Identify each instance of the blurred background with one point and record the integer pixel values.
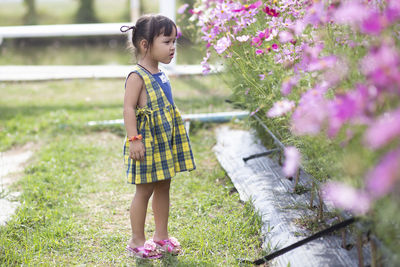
(48, 82)
(82, 50)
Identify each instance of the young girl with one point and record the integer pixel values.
(157, 145)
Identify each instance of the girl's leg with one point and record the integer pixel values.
(161, 209)
(138, 213)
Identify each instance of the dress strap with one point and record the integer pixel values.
(147, 82)
(157, 99)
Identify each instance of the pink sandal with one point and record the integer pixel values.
(145, 251)
(170, 245)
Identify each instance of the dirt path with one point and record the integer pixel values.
(12, 163)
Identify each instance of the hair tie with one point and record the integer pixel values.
(127, 28)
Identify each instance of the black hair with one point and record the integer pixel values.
(148, 27)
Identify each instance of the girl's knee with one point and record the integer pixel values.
(162, 185)
(144, 190)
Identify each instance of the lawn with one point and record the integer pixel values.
(63, 11)
(75, 198)
(83, 51)
(108, 50)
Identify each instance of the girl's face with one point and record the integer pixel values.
(163, 48)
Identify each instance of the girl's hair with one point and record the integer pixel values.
(147, 28)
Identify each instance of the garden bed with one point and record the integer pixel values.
(323, 76)
(286, 216)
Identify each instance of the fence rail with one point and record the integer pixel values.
(61, 30)
(59, 72)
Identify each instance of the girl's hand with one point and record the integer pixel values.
(136, 150)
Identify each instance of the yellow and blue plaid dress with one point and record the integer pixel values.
(167, 146)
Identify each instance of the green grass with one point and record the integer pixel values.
(80, 50)
(75, 198)
(63, 12)
(31, 110)
(63, 52)
(83, 51)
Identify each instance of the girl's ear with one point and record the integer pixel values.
(144, 45)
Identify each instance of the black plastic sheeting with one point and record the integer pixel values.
(261, 181)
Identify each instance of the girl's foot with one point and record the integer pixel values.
(170, 245)
(148, 251)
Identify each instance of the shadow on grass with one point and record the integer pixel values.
(169, 260)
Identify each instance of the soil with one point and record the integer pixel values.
(12, 164)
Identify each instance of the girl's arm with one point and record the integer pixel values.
(134, 85)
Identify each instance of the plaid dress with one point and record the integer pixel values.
(167, 146)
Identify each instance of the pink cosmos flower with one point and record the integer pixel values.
(350, 12)
(392, 11)
(204, 63)
(292, 161)
(280, 108)
(248, 7)
(222, 44)
(346, 107)
(313, 52)
(285, 37)
(374, 24)
(345, 197)
(298, 27)
(288, 84)
(179, 32)
(322, 63)
(275, 47)
(309, 54)
(336, 74)
(310, 113)
(261, 36)
(383, 130)
(242, 38)
(381, 179)
(243, 22)
(182, 8)
(316, 14)
(206, 68)
(257, 41)
(378, 21)
(381, 66)
(278, 57)
(195, 11)
(210, 33)
(271, 12)
(259, 51)
(223, 12)
(208, 37)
